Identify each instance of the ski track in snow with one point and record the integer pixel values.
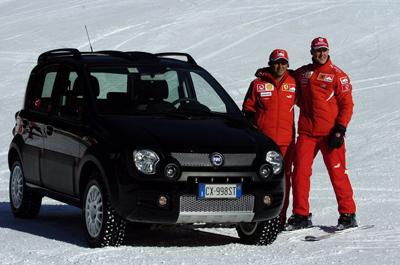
(232, 30)
(376, 86)
(231, 39)
(108, 34)
(252, 35)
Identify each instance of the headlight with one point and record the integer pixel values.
(275, 159)
(145, 161)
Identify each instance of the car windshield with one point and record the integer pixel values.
(134, 90)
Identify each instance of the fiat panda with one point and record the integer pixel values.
(142, 138)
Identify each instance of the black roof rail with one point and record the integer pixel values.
(142, 57)
(59, 53)
(177, 54)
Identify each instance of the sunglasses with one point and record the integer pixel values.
(321, 50)
(281, 62)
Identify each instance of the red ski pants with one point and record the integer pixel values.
(288, 158)
(335, 161)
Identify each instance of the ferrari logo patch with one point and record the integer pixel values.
(325, 77)
(289, 87)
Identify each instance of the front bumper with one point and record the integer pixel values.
(139, 201)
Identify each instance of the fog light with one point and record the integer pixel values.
(265, 171)
(267, 200)
(162, 201)
(171, 171)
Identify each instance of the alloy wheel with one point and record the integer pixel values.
(17, 187)
(94, 211)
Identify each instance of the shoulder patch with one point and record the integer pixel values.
(344, 80)
(346, 88)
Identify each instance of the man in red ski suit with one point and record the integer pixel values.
(269, 105)
(326, 107)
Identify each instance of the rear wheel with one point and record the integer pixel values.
(259, 233)
(24, 202)
(102, 225)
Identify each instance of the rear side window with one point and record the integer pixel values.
(42, 89)
(111, 82)
(49, 81)
(69, 96)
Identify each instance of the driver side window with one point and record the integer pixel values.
(206, 94)
(176, 90)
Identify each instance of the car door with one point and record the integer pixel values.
(63, 134)
(34, 115)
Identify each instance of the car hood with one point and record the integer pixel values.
(191, 134)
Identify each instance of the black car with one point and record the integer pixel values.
(142, 138)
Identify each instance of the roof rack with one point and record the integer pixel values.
(142, 57)
(59, 53)
(189, 58)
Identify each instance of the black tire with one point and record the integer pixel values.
(110, 230)
(259, 233)
(23, 201)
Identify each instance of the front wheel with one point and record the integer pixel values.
(102, 225)
(24, 202)
(259, 233)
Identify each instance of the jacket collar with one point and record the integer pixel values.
(323, 67)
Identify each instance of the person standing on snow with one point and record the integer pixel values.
(269, 106)
(326, 107)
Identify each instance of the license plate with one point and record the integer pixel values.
(212, 191)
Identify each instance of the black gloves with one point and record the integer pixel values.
(336, 137)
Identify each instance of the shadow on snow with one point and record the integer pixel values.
(63, 223)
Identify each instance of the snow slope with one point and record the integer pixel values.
(231, 39)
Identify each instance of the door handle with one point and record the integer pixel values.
(49, 130)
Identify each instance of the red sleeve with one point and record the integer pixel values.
(344, 99)
(250, 100)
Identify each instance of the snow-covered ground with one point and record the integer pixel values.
(231, 39)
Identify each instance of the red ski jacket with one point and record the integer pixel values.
(325, 98)
(272, 104)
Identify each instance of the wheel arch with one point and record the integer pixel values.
(88, 165)
(14, 152)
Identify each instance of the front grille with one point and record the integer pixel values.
(222, 211)
(203, 159)
(190, 203)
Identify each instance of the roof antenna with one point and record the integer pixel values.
(90, 44)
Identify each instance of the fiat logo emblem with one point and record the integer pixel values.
(217, 159)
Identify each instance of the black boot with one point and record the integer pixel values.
(346, 220)
(297, 221)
